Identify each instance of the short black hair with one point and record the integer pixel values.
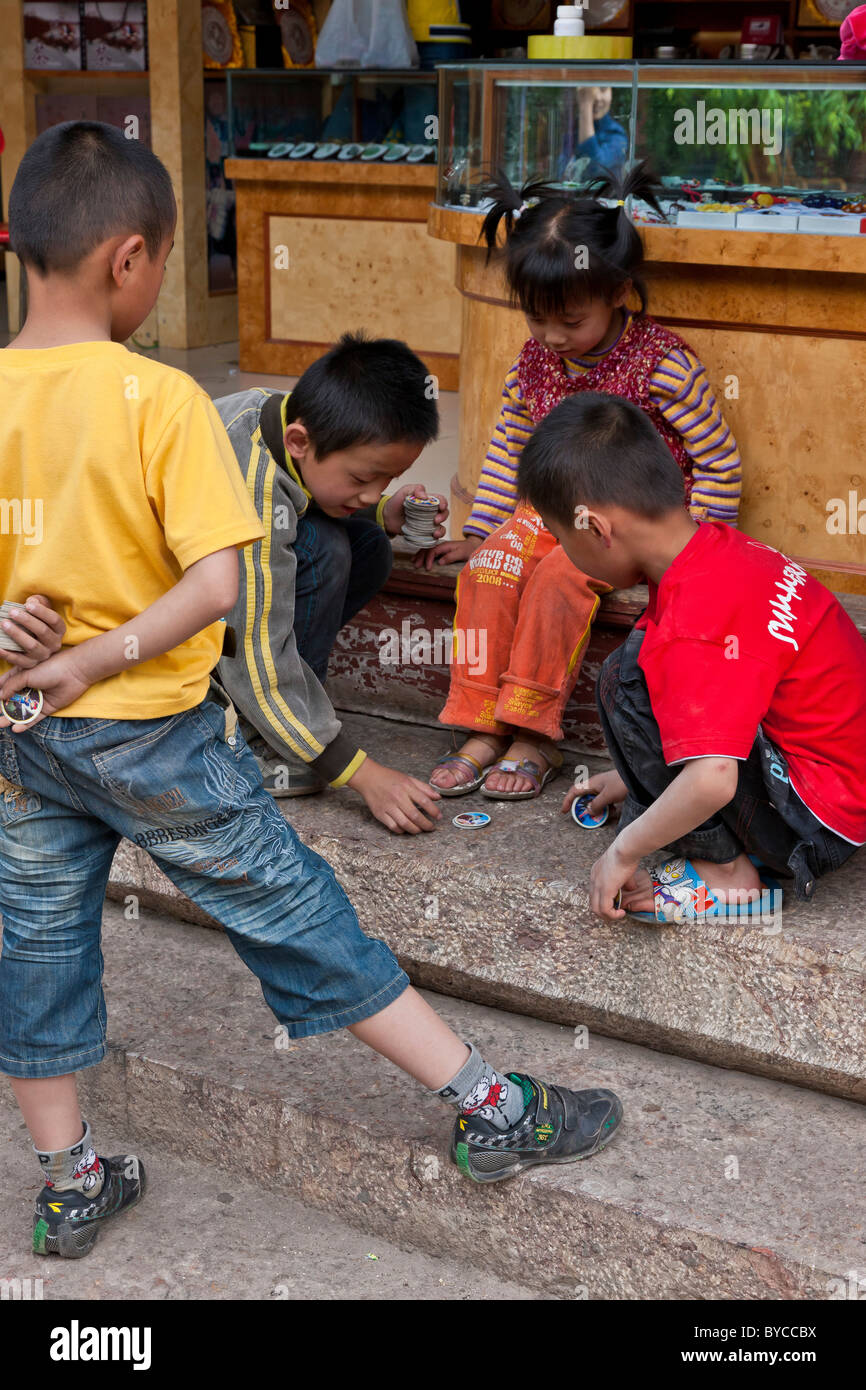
(597, 449)
(80, 183)
(365, 391)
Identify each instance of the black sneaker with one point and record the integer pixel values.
(557, 1126)
(67, 1223)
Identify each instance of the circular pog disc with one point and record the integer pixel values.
(471, 820)
(23, 707)
(580, 812)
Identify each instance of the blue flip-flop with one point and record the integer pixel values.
(681, 895)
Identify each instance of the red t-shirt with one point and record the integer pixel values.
(738, 635)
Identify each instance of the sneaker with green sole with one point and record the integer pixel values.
(67, 1223)
(557, 1126)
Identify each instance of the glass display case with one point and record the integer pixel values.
(774, 147)
(323, 114)
(302, 114)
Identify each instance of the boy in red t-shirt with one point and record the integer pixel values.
(735, 712)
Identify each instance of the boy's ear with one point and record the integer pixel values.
(297, 441)
(622, 294)
(587, 520)
(124, 255)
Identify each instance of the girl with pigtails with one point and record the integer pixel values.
(572, 263)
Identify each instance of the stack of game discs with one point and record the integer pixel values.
(7, 643)
(420, 513)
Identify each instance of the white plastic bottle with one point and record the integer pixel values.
(569, 22)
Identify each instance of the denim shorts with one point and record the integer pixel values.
(187, 789)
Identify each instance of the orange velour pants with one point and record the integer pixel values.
(522, 624)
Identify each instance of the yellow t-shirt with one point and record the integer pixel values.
(116, 475)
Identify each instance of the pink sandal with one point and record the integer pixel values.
(526, 767)
(460, 788)
(466, 760)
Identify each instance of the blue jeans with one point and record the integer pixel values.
(765, 817)
(186, 789)
(341, 566)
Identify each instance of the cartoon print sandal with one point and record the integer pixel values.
(680, 895)
(526, 767)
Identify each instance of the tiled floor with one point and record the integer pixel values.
(216, 369)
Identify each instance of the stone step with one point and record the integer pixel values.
(719, 1185)
(500, 916)
(201, 1236)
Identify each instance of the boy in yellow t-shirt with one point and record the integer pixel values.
(143, 509)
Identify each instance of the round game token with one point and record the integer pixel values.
(584, 817)
(23, 707)
(471, 820)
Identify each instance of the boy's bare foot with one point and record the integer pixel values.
(534, 749)
(484, 748)
(737, 883)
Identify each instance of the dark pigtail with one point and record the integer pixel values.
(506, 202)
(634, 182)
(546, 229)
(627, 248)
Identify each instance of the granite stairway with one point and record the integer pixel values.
(740, 1054)
(500, 916)
(718, 1186)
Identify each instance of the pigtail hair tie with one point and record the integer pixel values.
(525, 206)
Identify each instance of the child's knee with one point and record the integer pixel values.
(328, 553)
(378, 559)
(607, 687)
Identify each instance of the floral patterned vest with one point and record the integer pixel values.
(624, 371)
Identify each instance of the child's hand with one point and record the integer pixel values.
(447, 553)
(392, 512)
(60, 679)
(400, 802)
(607, 875)
(609, 790)
(37, 628)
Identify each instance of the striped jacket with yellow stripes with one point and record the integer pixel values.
(267, 680)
